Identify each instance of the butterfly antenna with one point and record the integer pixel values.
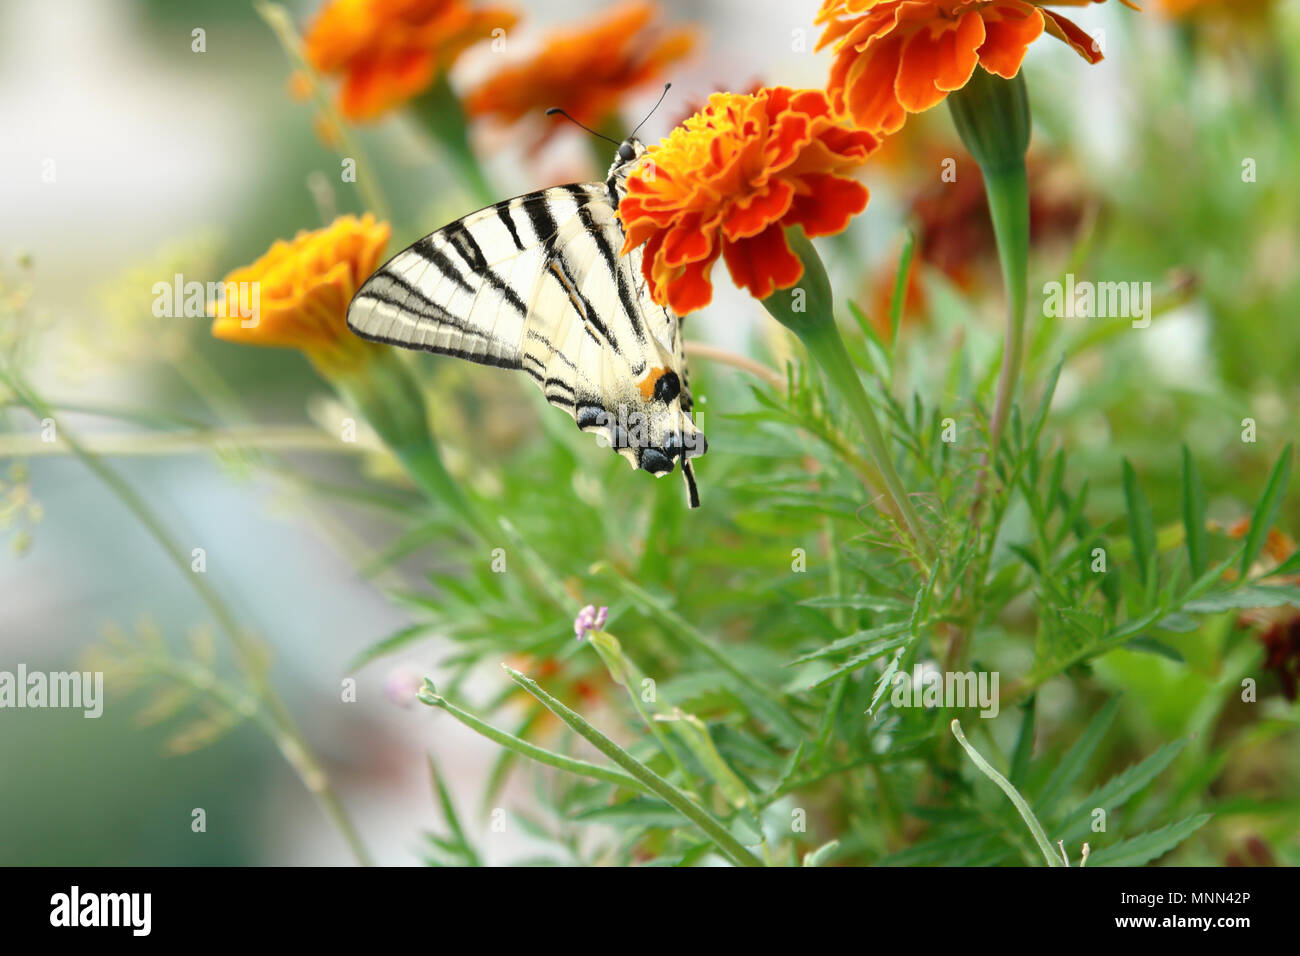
(555, 109)
(667, 87)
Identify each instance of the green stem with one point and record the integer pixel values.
(823, 341)
(429, 695)
(993, 119)
(625, 673)
(286, 735)
(728, 844)
(1021, 805)
(1008, 195)
(808, 310)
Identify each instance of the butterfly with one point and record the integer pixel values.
(536, 283)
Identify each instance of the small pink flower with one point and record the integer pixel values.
(589, 619)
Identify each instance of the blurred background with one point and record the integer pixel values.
(168, 160)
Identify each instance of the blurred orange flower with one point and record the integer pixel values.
(894, 57)
(587, 71)
(388, 51)
(1278, 545)
(730, 180)
(300, 292)
(1189, 8)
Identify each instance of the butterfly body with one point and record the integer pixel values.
(536, 284)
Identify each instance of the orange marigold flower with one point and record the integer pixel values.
(388, 51)
(730, 180)
(588, 71)
(300, 290)
(894, 57)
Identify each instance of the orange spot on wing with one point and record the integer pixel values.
(651, 379)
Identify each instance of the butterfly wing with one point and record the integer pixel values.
(536, 284)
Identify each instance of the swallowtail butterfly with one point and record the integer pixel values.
(536, 284)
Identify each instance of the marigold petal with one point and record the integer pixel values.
(1011, 28)
(1069, 32)
(763, 263)
(686, 242)
(869, 88)
(691, 289)
(754, 214)
(828, 205)
(938, 58)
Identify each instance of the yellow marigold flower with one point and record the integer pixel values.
(299, 292)
(388, 51)
(587, 70)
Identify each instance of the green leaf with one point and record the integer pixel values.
(861, 602)
(1024, 741)
(949, 850)
(789, 768)
(1075, 760)
(1113, 794)
(1141, 527)
(1148, 846)
(1194, 514)
(876, 649)
(820, 855)
(885, 680)
(864, 323)
(1149, 645)
(869, 636)
(1242, 598)
(900, 287)
(637, 812)
(391, 644)
(695, 735)
(1290, 566)
(459, 840)
(1045, 404)
(1266, 511)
